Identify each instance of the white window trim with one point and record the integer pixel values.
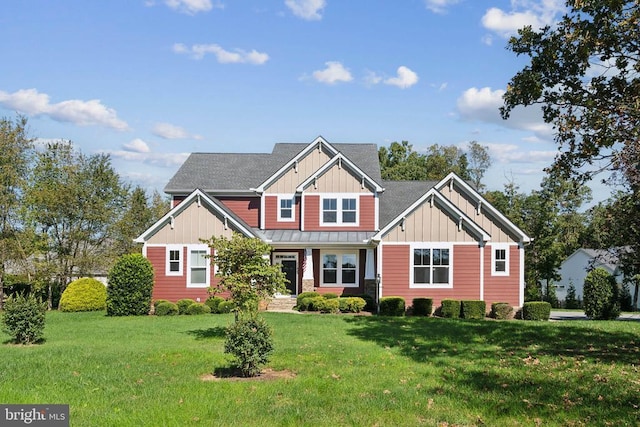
(339, 253)
(293, 208)
(207, 283)
(339, 198)
(495, 247)
(430, 245)
(180, 250)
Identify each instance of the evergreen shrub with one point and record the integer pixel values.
(422, 306)
(250, 341)
(85, 294)
(450, 308)
(473, 309)
(501, 310)
(183, 304)
(352, 304)
(536, 310)
(24, 318)
(392, 306)
(327, 305)
(166, 308)
(130, 286)
(213, 303)
(198, 308)
(304, 295)
(226, 306)
(601, 300)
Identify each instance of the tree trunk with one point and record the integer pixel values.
(635, 296)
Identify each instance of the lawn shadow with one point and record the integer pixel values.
(203, 334)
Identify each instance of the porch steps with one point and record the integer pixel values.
(282, 304)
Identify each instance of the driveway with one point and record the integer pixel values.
(579, 315)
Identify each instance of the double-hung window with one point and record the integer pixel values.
(339, 211)
(199, 267)
(499, 260)
(285, 209)
(431, 266)
(174, 261)
(340, 268)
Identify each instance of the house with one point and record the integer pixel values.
(575, 268)
(336, 226)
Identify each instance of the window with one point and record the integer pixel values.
(340, 269)
(174, 261)
(198, 273)
(431, 267)
(285, 211)
(500, 260)
(339, 211)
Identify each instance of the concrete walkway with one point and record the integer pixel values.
(579, 315)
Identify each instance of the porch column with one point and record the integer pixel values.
(307, 271)
(370, 274)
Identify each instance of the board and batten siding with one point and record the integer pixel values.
(502, 288)
(191, 225)
(366, 214)
(396, 265)
(338, 179)
(297, 174)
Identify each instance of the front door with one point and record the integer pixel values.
(289, 265)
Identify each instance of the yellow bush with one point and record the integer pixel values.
(85, 294)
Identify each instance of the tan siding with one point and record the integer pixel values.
(428, 224)
(288, 182)
(502, 288)
(193, 224)
(271, 215)
(247, 208)
(338, 180)
(498, 232)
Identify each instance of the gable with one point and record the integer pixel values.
(298, 171)
(338, 179)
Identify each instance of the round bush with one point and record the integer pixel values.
(304, 295)
(85, 294)
(330, 295)
(327, 305)
(392, 306)
(226, 306)
(501, 310)
(130, 286)
(213, 303)
(601, 301)
(352, 304)
(370, 302)
(250, 342)
(422, 306)
(184, 304)
(166, 309)
(536, 310)
(198, 308)
(23, 318)
(159, 301)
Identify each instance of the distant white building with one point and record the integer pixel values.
(575, 268)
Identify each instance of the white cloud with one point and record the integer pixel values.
(512, 153)
(238, 56)
(371, 78)
(191, 7)
(137, 145)
(81, 113)
(537, 13)
(169, 131)
(483, 105)
(159, 159)
(439, 6)
(311, 10)
(334, 73)
(406, 78)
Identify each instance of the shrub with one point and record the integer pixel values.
(166, 309)
(501, 310)
(85, 294)
(371, 302)
(213, 303)
(311, 303)
(183, 304)
(330, 295)
(450, 308)
(422, 306)
(351, 304)
(601, 295)
(473, 309)
(626, 301)
(304, 295)
(157, 302)
(327, 305)
(536, 310)
(24, 318)
(130, 286)
(571, 301)
(226, 306)
(198, 308)
(250, 342)
(392, 306)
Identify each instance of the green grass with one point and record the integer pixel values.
(145, 371)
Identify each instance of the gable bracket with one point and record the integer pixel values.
(479, 207)
(460, 223)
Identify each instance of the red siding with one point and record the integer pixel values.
(177, 200)
(247, 208)
(172, 288)
(340, 290)
(502, 288)
(366, 212)
(271, 215)
(396, 264)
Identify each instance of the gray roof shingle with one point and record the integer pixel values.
(398, 196)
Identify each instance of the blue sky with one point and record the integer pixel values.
(149, 81)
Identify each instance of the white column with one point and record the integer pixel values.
(307, 274)
(369, 268)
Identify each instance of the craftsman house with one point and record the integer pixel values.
(336, 226)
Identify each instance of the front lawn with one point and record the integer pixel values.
(349, 370)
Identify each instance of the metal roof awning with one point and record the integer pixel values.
(317, 237)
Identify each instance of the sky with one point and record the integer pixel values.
(150, 81)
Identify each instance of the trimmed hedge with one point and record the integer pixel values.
(536, 310)
(85, 294)
(501, 310)
(330, 295)
(327, 305)
(302, 296)
(183, 304)
(450, 308)
(130, 286)
(352, 304)
(213, 303)
(371, 302)
(166, 308)
(422, 306)
(198, 308)
(158, 302)
(392, 306)
(473, 309)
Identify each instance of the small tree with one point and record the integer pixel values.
(246, 273)
(571, 301)
(601, 301)
(130, 286)
(24, 319)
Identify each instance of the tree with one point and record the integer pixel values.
(15, 154)
(72, 202)
(401, 163)
(130, 286)
(601, 299)
(245, 272)
(479, 162)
